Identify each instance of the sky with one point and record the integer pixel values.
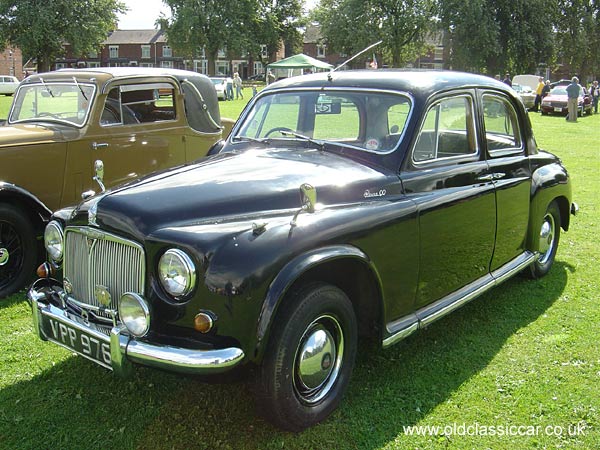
(143, 13)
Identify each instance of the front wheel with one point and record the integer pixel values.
(549, 236)
(18, 250)
(309, 358)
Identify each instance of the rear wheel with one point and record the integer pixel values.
(309, 358)
(549, 236)
(18, 250)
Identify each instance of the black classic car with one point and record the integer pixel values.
(347, 204)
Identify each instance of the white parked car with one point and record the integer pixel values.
(220, 85)
(8, 84)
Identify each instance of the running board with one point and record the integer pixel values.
(405, 326)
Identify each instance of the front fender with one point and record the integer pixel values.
(291, 272)
(18, 195)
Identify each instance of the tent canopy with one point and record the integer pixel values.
(299, 61)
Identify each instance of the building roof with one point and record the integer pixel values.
(312, 34)
(121, 37)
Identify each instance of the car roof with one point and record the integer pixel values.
(418, 82)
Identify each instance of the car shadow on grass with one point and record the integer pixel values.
(76, 404)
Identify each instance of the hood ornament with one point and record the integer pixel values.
(308, 198)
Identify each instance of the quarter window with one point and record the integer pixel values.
(501, 125)
(447, 132)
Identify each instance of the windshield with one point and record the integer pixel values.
(370, 121)
(55, 102)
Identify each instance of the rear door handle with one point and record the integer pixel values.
(97, 145)
(491, 176)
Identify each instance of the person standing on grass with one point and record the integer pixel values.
(237, 84)
(538, 94)
(573, 91)
(595, 93)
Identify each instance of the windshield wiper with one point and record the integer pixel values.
(251, 139)
(80, 89)
(46, 87)
(319, 144)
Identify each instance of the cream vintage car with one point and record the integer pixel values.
(136, 121)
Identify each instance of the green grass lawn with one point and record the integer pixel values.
(524, 359)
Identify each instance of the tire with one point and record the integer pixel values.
(549, 236)
(292, 392)
(18, 250)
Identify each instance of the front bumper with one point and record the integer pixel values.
(114, 349)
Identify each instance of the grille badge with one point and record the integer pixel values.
(102, 295)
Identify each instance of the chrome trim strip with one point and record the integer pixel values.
(125, 350)
(406, 325)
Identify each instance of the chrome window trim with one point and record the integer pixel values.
(459, 158)
(325, 90)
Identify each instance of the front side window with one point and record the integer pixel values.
(502, 130)
(139, 103)
(448, 131)
(370, 121)
(67, 103)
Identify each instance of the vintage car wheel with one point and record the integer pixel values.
(549, 236)
(17, 250)
(309, 358)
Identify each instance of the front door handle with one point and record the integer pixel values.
(488, 177)
(97, 145)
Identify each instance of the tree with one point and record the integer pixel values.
(351, 25)
(237, 26)
(41, 27)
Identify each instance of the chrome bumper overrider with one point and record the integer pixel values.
(123, 349)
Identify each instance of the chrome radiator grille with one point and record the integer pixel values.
(93, 258)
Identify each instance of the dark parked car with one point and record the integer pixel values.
(347, 204)
(134, 120)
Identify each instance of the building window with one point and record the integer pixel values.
(320, 51)
(93, 55)
(438, 54)
(264, 52)
(222, 67)
(167, 52)
(146, 65)
(61, 66)
(166, 64)
(93, 64)
(221, 53)
(258, 68)
(146, 51)
(201, 66)
(113, 51)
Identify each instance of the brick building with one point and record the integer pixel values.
(11, 62)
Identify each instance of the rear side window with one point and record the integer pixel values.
(502, 131)
(448, 131)
(139, 103)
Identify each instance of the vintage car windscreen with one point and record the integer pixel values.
(370, 121)
(54, 102)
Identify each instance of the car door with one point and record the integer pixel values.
(511, 174)
(447, 176)
(136, 131)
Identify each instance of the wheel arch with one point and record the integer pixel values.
(344, 266)
(29, 204)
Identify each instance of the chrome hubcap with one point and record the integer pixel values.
(547, 235)
(4, 255)
(318, 359)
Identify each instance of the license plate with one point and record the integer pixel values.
(557, 109)
(73, 336)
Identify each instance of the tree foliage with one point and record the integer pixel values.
(41, 27)
(351, 25)
(237, 26)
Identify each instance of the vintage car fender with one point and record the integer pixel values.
(16, 194)
(293, 271)
(550, 182)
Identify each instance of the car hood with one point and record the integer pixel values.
(20, 134)
(247, 184)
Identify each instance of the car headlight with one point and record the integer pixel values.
(176, 273)
(134, 312)
(54, 240)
